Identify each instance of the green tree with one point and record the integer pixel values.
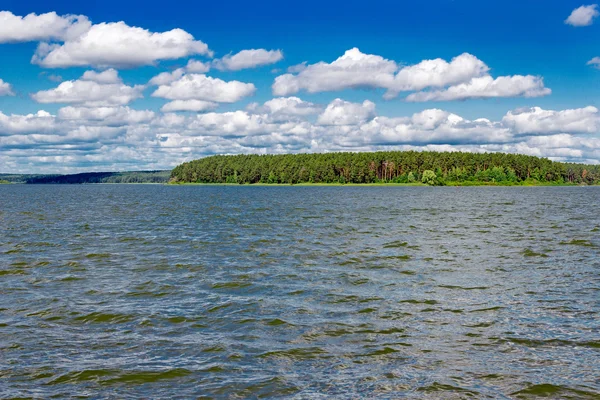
(429, 177)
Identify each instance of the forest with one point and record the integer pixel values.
(91, 177)
(431, 168)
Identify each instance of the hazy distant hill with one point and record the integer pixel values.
(91, 177)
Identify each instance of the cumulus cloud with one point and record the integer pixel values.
(165, 78)
(108, 76)
(465, 76)
(13, 124)
(340, 112)
(189, 105)
(432, 126)
(118, 137)
(437, 73)
(286, 107)
(198, 67)
(583, 16)
(72, 40)
(92, 89)
(248, 59)
(352, 70)
(232, 124)
(487, 87)
(202, 87)
(42, 27)
(112, 116)
(536, 120)
(229, 124)
(594, 62)
(294, 69)
(6, 89)
(119, 45)
(193, 66)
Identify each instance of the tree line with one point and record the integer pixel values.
(92, 177)
(432, 168)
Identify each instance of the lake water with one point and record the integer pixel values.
(124, 291)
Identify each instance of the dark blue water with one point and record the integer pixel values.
(123, 291)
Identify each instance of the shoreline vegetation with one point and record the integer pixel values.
(401, 168)
(384, 184)
(156, 177)
(395, 168)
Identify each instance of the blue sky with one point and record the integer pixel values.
(531, 89)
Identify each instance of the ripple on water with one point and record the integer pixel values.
(548, 390)
(104, 318)
(299, 292)
(299, 354)
(114, 377)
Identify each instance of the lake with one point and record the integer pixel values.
(149, 291)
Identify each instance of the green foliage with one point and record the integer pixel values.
(384, 167)
(429, 177)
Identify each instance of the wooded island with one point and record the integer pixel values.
(431, 168)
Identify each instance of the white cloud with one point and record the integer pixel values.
(189, 105)
(202, 87)
(294, 69)
(86, 134)
(358, 70)
(91, 92)
(72, 40)
(120, 138)
(437, 73)
(594, 62)
(285, 107)
(42, 27)
(248, 59)
(583, 16)
(433, 118)
(429, 127)
(109, 76)
(228, 124)
(40, 122)
(165, 78)
(487, 87)
(352, 70)
(539, 121)
(111, 116)
(197, 67)
(6, 89)
(194, 66)
(119, 45)
(465, 76)
(340, 112)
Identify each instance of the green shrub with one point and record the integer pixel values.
(429, 177)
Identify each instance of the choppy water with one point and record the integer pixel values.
(302, 292)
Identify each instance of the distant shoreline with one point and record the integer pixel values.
(340, 185)
(386, 184)
(385, 168)
(136, 177)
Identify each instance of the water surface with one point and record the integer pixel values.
(127, 291)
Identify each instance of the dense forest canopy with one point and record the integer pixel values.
(433, 168)
(92, 177)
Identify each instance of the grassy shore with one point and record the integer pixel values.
(295, 184)
(455, 184)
